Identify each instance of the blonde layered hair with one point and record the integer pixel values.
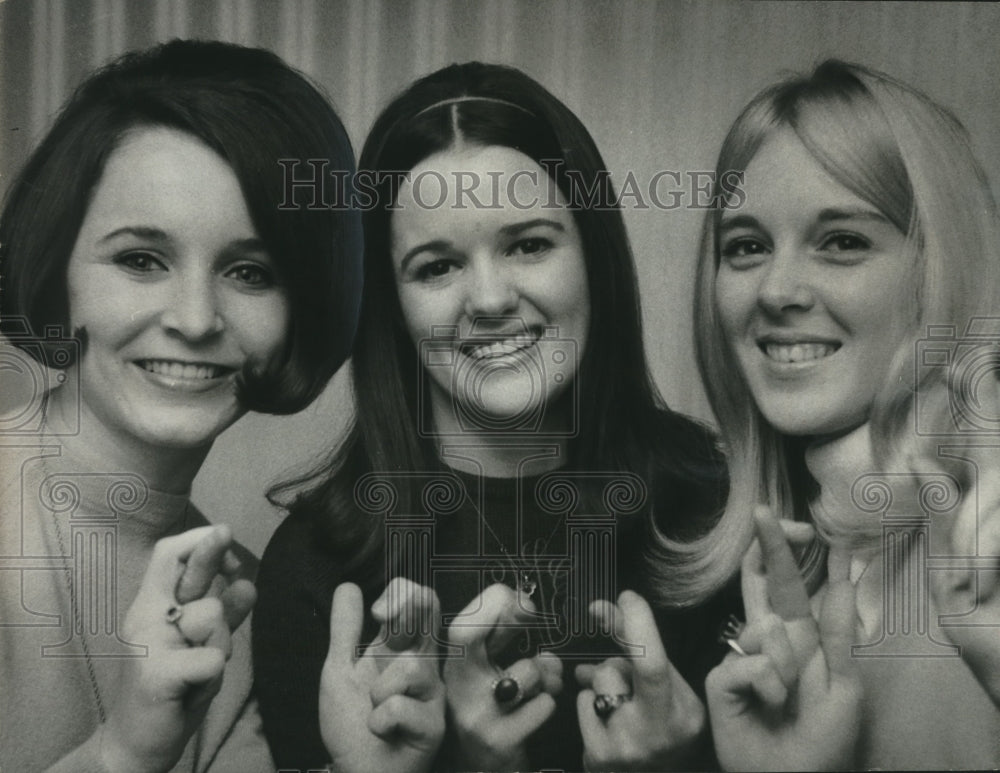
(910, 158)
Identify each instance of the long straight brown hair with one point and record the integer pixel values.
(622, 423)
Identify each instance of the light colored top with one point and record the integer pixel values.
(54, 675)
(923, 707)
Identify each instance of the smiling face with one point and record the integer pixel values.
(175, 291)
(506, 276)
(813, 291)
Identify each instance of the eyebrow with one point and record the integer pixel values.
(142, 231)
(516, 228)
(738, 221)
(250, 244)
(443, 245)
(851, 213)
(829, 215)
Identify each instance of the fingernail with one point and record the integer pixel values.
(230, 563)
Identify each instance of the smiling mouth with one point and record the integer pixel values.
(191, 371)
(480, 349)
(797, 352)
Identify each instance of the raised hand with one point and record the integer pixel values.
(976, 531)
(213, 569)
(653, 720)
(384, 710)
(792, 702)
(494, 712)
(162, 698)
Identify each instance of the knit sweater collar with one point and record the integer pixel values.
(78, 485)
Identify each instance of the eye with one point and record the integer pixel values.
(845, 242)
(530, 246)
(252, 275)
(743, 251)
(140, 261)
(434, 269)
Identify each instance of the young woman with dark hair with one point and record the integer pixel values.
(502, 391)
(145, 255)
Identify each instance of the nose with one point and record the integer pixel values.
(491, 291)
(785, 284)
(192, 310)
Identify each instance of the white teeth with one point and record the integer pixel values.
(500, 348)
(182, 370)
(788, 353)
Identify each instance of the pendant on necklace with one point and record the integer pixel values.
(526, 585)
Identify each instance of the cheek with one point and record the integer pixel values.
(879, 312)
(561, 285)
(580, 296)
(421, 310)
(260, 325)
(110, 314)
(886, 335)
(80, 294)
(733, 302)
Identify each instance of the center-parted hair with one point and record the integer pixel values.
(623, 423)
(252, 109)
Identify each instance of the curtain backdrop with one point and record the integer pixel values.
(657, 83)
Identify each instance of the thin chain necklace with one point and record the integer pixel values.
(522, 573)
(78, 621)
(78, 616)
(70, 586)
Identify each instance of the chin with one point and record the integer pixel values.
(812, 424)
(192, 431)
(179, 438)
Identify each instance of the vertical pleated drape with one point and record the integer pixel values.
(657, 83)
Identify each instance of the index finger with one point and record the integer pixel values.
(785, 588)
(492, 616)
(409, 614)
(167, 563)
(653, 669)
(206, 562)
(753, 584)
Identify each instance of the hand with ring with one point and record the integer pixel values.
(789, 695)
(163, 697)
(637, 712)
(385, 709)
(494, 710)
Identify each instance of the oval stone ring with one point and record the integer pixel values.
(507, 690)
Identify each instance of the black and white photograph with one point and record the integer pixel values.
(499, 385)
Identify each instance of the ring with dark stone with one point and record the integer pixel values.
(605, 705)
(507, 690)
